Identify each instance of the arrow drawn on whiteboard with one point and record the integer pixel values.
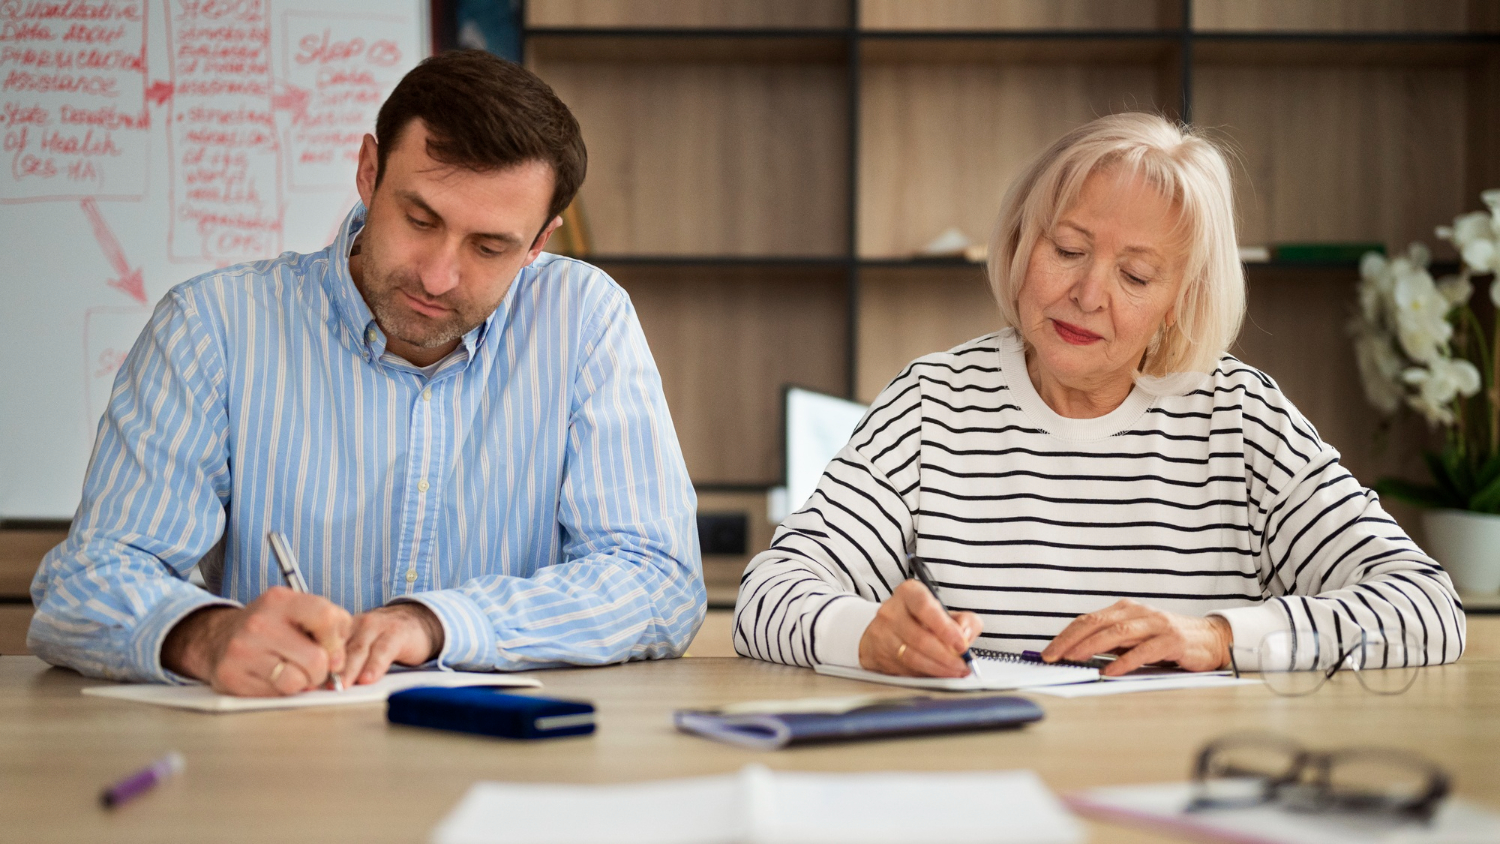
(292, 98)
(159, 92)
(130, 282)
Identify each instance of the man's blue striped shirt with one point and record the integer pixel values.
(530, 490)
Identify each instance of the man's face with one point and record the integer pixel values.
(442, 244)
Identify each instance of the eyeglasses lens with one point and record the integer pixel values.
(1244, 771)
(1295, 663)
(1377, 780)
(1388, 664)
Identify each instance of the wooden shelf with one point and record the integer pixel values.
(1341, 153)
(1273, 49)
(1345, 15)
(909, 311)
(1018, 15)
(727, 340)
(659, 46)
(939, 142)
(688, 13)
(718, 156)
(762, 173)
(1053, 47)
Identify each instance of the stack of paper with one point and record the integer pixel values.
(758, 806)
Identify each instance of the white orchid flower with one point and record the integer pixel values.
(1482, 255)
(1379, 370)
(1421, 315)
(1491, 198)
(1456, 289)
(1419, 254)
(1437, 415)
(1466, 229)
(1439, 384)
(1372, 265)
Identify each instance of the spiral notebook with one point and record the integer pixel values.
(993, 671)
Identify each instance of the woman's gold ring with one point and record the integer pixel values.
(901, 651)
(276, 672)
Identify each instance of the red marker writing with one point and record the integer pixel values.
(143, 780)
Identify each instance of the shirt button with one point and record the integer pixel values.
(427, 394)
(411, 576)
(422, 486)
(370, 334)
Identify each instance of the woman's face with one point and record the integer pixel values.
(1100, 285)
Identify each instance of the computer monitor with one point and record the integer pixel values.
(817, 426)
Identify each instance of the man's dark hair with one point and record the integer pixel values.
(485, 113)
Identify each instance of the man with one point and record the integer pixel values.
(464, 439)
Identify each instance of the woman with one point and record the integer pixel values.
(1098, 476)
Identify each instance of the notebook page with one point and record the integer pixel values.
(990, 674)
(204, 699)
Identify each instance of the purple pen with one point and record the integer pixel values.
(143, 780)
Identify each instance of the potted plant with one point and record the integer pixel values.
(1420, 345)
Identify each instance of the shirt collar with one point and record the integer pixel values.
(354, 314)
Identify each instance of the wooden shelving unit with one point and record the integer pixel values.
(763, 171)
(763, 174)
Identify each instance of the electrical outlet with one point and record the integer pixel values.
(723, 533)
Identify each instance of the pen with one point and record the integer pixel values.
(142, 781)
(919, 571)
(1098, 661)
(282, 551)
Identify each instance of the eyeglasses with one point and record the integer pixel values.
(1298, 662)
(1250, 769)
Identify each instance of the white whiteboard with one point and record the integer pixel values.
(145, 142)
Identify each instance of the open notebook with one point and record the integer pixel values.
(1001, 671)
(204, 699)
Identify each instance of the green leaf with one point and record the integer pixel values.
(1487, 499)
(1418, 494)
(1442, 477)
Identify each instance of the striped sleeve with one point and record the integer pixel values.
(1332, 563)
(630, 581)
(153, 505)
(808, 599)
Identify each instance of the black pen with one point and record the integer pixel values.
(919, 571)
(281, 549)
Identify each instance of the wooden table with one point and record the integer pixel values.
(344, 774)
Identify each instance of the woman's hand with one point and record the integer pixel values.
(1142, 634)
(912, 635)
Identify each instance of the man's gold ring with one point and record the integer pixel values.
(901, 651)
(276, 672)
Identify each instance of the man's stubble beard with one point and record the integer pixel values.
(382, 292)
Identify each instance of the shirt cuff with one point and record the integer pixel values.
(152, 632)
(839, 629)
(469, 641)
(1250, 626)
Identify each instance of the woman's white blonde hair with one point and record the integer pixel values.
(1192, 173)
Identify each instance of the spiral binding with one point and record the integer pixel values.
(1007, 656)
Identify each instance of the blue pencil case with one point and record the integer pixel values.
(490, 712)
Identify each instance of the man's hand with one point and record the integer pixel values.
(406, 633)
(282, 643)
(1141, 635)
(911, 635)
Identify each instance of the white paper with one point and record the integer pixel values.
(1161, 805)
(989, 675)
(759, 806)
(1125, 685)
(204, 699)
